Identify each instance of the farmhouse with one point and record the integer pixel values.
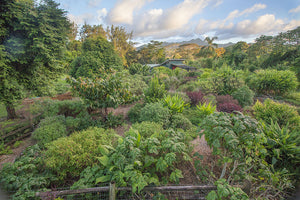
(173, 64)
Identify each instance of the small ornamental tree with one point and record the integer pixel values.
(102, 92)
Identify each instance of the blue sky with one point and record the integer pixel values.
(178, 20)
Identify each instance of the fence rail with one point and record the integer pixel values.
(189, 191)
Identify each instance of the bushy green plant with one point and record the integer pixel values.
(206, 109)
(175, 103)
(67, 108)
(155, 112)
(273, 82)
(135, 84)
(280, 113)
(134, 112)
(155, 92)
(223, 81)
(190, 86)
(50, 129)
(226, 191)
(70, 155)
(244, 96)
(112, 121)
(180, 121)
(146, 128)
(283, 147)
(137, 68)
(193, 115)
(294, 98)
(26, 175)
(137, 161)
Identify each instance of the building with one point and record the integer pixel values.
(173, 64)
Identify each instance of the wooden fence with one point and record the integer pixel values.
(18, 130)
(179, 192)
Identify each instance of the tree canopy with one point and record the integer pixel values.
(33, 37)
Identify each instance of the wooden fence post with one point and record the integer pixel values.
(112, 191)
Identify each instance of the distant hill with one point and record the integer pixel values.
(198, 41)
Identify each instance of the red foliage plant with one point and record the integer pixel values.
(228, 107)
(221, 99)
(195, 97)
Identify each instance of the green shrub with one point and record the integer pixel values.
(155, 112)
(26, 175)
(112, 121)
(283, 147)
(155, 91)
(134, 113)
(222, 81)
(280, 113)
(193, 115)
(210, 98)
(50, 129)
(146, 128)
(68, 156)
(206, 109)
(135, 83)
(175, 104)
(180, 121)
(67, 108)
(137, 68)
(244, 96)
(190, 86)
(138, 161)
(273, 82)
(294, 98)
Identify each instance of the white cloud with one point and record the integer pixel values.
(264, 25)
(237, 13)
(295, 10)
(94, 3)
(122, 12)
(164, 23)
(87, 17)
(101, 15)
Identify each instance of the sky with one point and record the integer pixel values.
(183, 20)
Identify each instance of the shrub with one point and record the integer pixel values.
(180, 121)
(196, 97)
(137, 68)
(67, 108)
(135, 84)
(50, 129)
(193, 115)
(283, 147)
(244, 96)
(189, 86)
(68, 156)
(155, 112)
(155, 91)
(206, 109)
(26, 175)
(210, 98)
(175, 104)
(228, 107)
(146, 128)
(137, 161)
(112, 121)
(273, 82)
(280, 113)
(221, 99)
(134, 113)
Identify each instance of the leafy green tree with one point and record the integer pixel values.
(152, 53)
(102, 92)
(33, 37)
(97, 54)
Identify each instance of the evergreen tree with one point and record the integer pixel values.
(33, 38)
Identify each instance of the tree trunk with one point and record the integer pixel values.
(11, 112)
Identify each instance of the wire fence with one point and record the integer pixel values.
(111, 192)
